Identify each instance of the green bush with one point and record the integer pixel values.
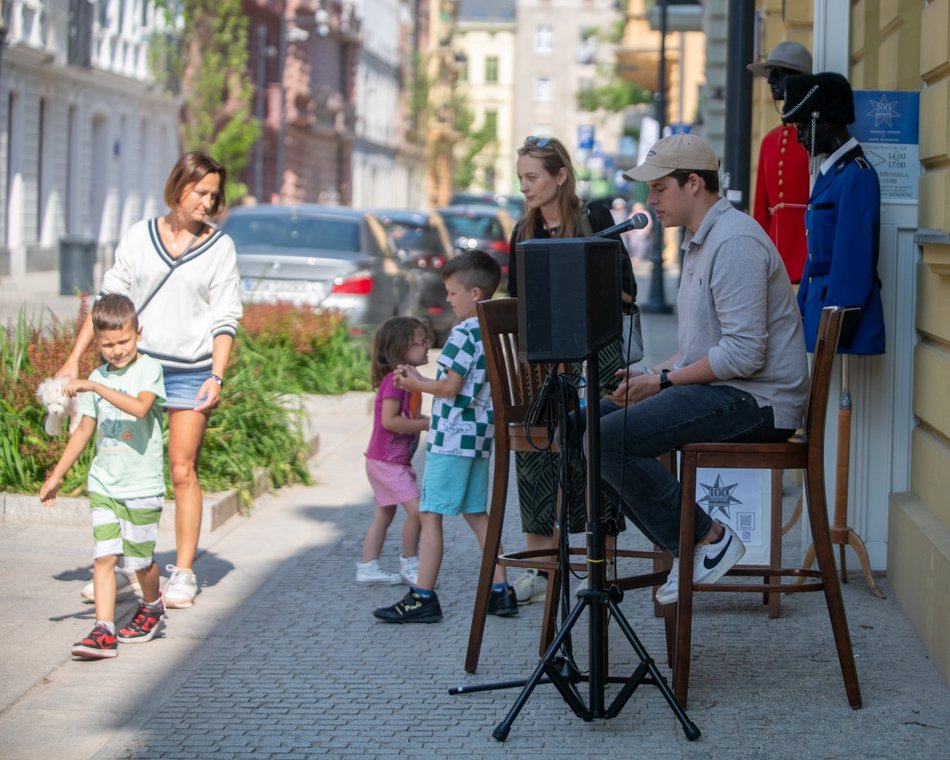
(280, 350)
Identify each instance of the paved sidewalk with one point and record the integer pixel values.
(280, 657)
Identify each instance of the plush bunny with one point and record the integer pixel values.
(58, 405)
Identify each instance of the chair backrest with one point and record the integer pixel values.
(513, 383)
(826, 346)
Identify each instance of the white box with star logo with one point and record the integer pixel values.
(740, 499)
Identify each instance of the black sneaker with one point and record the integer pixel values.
(412, 608)
(503, 602)
(98, 645)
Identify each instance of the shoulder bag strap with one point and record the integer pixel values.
(586, 229)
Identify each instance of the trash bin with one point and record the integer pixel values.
(77, 263)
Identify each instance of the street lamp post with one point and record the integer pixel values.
(260, 111)
(657, 303)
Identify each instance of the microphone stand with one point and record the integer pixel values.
(598, 601)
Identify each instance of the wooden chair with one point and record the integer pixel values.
(514, 385)
(805, 452)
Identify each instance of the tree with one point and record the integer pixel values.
(472, 151)
(217, 92)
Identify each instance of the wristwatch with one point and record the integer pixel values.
(665, 381)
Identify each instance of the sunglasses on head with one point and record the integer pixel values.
(536, 142)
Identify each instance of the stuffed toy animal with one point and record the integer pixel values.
(59, 406)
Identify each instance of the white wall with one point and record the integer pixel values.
(108, 138)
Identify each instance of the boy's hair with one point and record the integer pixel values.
(190, 169)
(113, 312)
(391, 343)
(474, 269)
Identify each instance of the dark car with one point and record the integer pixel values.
(485, 227)
(325, 257)
(422, 246)
(513, 204)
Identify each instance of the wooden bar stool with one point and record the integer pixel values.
(805, 452)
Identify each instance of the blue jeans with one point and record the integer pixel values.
(631, 439)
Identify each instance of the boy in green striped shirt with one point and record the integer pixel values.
(121, 403)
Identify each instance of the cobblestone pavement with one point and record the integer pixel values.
(281, 657)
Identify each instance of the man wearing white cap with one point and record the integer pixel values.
(781, 182)
(740, 373)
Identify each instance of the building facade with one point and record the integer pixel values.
(88, 134)
(388, 171)
(900, 440)
(561, 48)
(486, 40)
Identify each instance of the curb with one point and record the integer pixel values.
(217, 508)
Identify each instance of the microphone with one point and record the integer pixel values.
(635, 222)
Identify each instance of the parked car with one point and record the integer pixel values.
(325, 257)
(422, 246)
(513, 204)
(485, 227)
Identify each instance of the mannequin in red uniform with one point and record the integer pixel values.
(782, 185)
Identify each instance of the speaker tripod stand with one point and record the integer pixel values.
(597, 601)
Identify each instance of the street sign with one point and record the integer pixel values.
(585, 137)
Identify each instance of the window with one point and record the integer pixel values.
(543, 90)
(491, 69)
(544, 38)
(491, 123)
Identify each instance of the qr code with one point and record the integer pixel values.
(745, 520)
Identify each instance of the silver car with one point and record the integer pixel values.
(325, 257)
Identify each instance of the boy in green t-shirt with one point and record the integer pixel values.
(120, 402)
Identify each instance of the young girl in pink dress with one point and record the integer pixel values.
(396, 427)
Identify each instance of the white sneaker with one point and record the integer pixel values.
(409, 569)
(371, 572)
(181, 589)
(710, 563)
(530, 587)
(126, 582)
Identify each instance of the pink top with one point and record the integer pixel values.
(384, 444)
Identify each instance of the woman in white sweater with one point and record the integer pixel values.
(181, 274)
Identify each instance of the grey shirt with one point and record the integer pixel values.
(736, 306)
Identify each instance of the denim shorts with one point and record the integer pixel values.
(181, 388)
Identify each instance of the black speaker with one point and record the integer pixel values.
(568, 297)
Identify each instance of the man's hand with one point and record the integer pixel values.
(635, 386)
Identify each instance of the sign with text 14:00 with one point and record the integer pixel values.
(887, 125)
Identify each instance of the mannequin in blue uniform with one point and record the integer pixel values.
(843, 214)
(842, 222)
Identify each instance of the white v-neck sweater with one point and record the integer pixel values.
(199, 300)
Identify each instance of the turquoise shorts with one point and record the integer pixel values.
(454, 485)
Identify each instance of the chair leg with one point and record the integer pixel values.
(552, 600)
(496, 519)
(821, 543)
(774, 598)
(684, 606)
